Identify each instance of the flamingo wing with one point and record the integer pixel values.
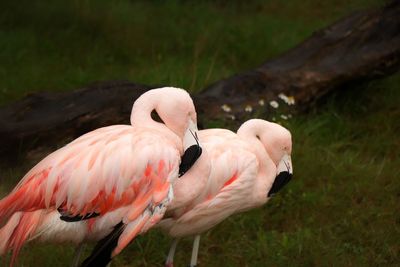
(101, 171)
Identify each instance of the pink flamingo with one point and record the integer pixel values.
(236, 172)
(113, 183)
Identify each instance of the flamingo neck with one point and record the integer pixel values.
(141, 112)
(266, 165)
(249, 133)
(141, 117)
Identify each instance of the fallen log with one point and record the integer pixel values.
(54, 118)
(360, 47)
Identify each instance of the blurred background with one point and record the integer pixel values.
(342, 207)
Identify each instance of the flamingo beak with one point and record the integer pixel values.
(192, 148)
(284, 175)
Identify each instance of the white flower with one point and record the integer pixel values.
(226, 108)
(274, 104)
(284, 117)
(232, 117)
(248, 108)
(261, 102)
(287, 99)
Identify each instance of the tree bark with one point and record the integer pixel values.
(360, 47)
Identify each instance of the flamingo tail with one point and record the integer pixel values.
(20, 228)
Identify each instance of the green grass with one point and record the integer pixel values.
(342, 207)
(62, 45)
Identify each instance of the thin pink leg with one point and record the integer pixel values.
(195, 251)
(170, 259)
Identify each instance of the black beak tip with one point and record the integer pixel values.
(280, 181)
(189, 158)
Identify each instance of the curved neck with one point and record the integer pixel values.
(249, 133)
(141, 112)
(141, 117)
(266, 165)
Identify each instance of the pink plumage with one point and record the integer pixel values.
(120, 173)
(236, 172)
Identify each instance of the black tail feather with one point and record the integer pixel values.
(69, 218)
(101, 254)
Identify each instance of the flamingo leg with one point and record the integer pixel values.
(195, 251)
(77, 254)
(170, 258)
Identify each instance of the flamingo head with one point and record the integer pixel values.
(277, 141)
(176, 110)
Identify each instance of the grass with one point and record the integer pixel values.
(62, 45)
(342, 207)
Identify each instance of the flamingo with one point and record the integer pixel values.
(112, 183)
(236, 172)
